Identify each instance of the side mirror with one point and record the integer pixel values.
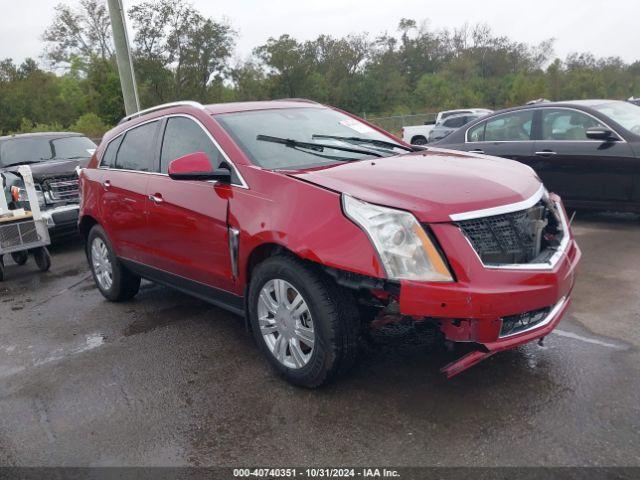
(197, 166)
(600, 133)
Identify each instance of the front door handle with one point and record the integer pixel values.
(106, 184)
(157, 198)
(476, 151)
(546, 153)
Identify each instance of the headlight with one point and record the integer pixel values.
(405, 249)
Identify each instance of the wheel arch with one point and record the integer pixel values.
(86, 224)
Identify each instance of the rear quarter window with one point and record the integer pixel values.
(476, 133)
(109, 156)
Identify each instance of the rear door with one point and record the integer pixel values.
(578, 168)
(125, 169)
(508, 135)
(187, 220)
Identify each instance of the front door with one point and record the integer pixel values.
(187, 220)
(580, 169)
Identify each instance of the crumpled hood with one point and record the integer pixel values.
(432, 184)
(54, 168)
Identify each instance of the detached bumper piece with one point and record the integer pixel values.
(520, 329)
(465, 362)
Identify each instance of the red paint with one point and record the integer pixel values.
(187, 232)
(197, 162)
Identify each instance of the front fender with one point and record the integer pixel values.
(302, 218)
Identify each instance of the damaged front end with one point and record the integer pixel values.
(512, 269)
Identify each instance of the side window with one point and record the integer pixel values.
(510, 127)
(565, 124)
(136, 151)
(455, 122)
(183, 136)
(109, 156)
(476, 134)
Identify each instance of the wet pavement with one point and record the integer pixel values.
(169, 380)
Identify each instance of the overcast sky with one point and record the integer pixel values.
(601, 27)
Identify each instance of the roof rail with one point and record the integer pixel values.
(186, 103)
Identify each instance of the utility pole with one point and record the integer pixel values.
(123, 57)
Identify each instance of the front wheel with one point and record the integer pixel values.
(114, 281)
(42, 257)
(307, 326)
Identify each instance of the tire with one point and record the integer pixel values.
(419, 140)
(42, 257)
(113, 279)
(20, 257)
(1, 268)
(332, 312)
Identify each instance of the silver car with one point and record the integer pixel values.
(450, 124)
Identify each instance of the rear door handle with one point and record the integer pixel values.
(157, 198)
(476, 151)
(106, 184)
(546, 153)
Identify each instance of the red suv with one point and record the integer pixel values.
(319, 227)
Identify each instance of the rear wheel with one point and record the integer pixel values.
(419, 140)
(20, 257)
(305, 324)
(112, 278)
(42, 257)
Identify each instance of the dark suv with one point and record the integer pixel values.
(54, 159)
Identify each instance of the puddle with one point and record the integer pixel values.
(92, 341)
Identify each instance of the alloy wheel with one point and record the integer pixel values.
(101, 263)
(286, 324)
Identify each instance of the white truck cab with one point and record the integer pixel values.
(419, 134)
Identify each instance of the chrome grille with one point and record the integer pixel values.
(521, 237)
(62, 189)
(15, 234)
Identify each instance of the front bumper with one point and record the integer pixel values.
(62, 220)
(472, 308)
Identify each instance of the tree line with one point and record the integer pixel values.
(181, 54)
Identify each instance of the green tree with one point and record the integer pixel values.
(90, 124)
(79, 33)
(179, 52)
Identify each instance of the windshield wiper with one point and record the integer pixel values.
(318, 147)
(372, 141)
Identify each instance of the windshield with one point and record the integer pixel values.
(624, 113)
(19, 150)
(304, 125)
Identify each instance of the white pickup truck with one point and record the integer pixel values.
(419, 134)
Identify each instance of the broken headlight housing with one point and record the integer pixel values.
(20, 197)
(405, 249)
